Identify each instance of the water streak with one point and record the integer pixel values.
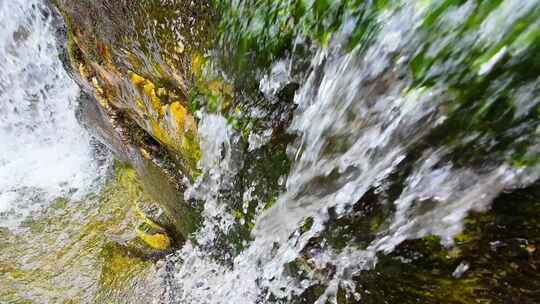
(360, 117)
(44, 152)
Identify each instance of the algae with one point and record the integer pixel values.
(58, 256)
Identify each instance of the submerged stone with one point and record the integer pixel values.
(81, 251)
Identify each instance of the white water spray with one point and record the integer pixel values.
(44, 152)
(357, 116)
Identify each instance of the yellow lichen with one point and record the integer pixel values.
(197, 63)
(102, 101)
(156, 241)
(152, 234)
(140, 104)
(97, 86)
(159, 133)
(145, 153)
(169, 123)
(178, 113)
(161, 92)
(136, 79)
(148, 89)
(82, 71)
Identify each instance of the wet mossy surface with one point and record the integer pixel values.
(149, 68)
(255, 35)
(142, 72)
(495, 259)
(135, 60)
(80, 251)
(499, 248)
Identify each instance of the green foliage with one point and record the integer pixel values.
(483, 76)
(256, 33)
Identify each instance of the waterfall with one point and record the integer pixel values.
(360, 138)
(44, 152)
(360, 119)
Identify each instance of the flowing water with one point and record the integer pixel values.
(45, 152)
(55, 232)
(395, 112)
(361, 118)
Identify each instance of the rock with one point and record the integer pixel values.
(134, 90)
(153, 235)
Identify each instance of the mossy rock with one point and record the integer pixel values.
(153, 235)
(81, 251)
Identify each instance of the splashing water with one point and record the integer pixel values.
(385, 115)
(44, 152)
(360, 118)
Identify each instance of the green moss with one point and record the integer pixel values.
(476, 105)
(71, 248)
(421, 271)
(119, 267)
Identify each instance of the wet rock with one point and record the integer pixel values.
(144, 120)
(153, 235)
(81, 251)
